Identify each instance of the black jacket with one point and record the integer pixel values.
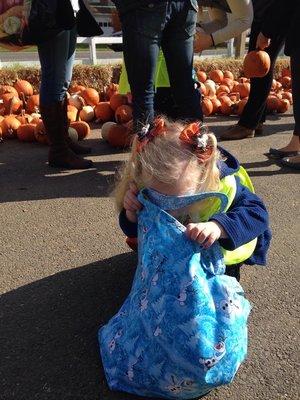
(283, 18)
(49, 17)
(125, 6)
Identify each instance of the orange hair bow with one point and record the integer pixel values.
(147, 134)
(196, 136)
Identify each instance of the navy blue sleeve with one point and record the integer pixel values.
(129, 228)
(246, 219)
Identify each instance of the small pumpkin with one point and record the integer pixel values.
(76, 89)
(118, 136)
(12, 103)
(216, 105)
(104, 112)
(90, 96)
(210, 88)
(9, 126)
(228, 82)
(87, 114)
(33, 103)
(229, 75)
(123, 114)
(76, 101)
(256, 64)
(82, 128)
(288, 96)
(207, 107)
(286, 82)
(273, 103)
(223, 88)
(105, 129)
(72, 112)
(201, 75)
(25, 133)
(24, 87)
(118, 100)
(226, 105)
(216, 75)
(243, 89)
(24, 118)
(40, 133)
(283, 106)
(8, 89)
(111, 89)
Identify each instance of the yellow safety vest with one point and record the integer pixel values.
(211, 207)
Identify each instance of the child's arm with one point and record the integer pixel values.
(246, 219)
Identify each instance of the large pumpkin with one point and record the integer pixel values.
(123, 114)
(90, 96)
(82, 128)
(216, 75)
(243, 89)
(9, 126)
(257, 64)
(118, 136)
(118, 100)
(25, 133)
(23, 87)
(104, 112)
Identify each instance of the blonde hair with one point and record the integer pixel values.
(165, 158)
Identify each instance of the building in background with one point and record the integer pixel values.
(103, 13)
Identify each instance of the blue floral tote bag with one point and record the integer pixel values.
(182, 330)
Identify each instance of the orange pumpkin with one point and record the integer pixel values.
(82, 128)
(286, 82)
(228, 82)
(12, 103)
(9, 126)
(118, 100)
(40, 133)
(24, 87)
(111, 89)
(8, 89)
(234, 97)
(24, 118)
(284, 105)
(74, 89)
(118, 136)
(25, 133)
(229, 75)
(72, 113)
(288, 96)
(243, 89)
(104, 112)
(201, 75)
(207, 106)
(123, 114)
(90, 96)
(216, 105)
(257, 64)
(223, 88)
(226, 105)
(33, 103)
(216, 75)
(273, 103)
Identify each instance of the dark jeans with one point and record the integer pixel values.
(255, 109)
(295, 68)
(57, 58)
(171, 26)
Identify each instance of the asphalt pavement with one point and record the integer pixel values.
(65, 270)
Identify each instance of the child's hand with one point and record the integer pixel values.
(205, 233)
(131, 203)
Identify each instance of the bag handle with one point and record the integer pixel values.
(175, 202)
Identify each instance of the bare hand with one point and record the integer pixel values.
(262, 42)
(202, 42)
(131, 203)
(205, 233)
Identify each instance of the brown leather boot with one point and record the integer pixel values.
(237, 132)
(60, 155)
(75, 147)
(259, 130)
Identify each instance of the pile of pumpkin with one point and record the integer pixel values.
(223, 94)
(20, 116)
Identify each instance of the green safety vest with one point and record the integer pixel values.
(210, 207)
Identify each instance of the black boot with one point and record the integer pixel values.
(60, 155)
(75, 147)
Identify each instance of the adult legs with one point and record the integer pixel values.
(254, 112)
(177, 45)
(57, 57)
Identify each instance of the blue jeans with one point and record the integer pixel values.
(57, 58)
(170, 25)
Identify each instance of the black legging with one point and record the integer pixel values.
(295, 69)
(255, 109)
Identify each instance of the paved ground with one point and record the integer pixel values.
(65, 270)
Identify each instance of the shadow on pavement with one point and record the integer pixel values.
(49, 346)
(25, 175)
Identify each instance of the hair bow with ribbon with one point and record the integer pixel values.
(195, 134)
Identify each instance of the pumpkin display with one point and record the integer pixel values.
(229, 75)
(23, 87)
(228, 82)
(216, 105)
(256, 64)
(8, 89)
(118, 100)
(223, 88)
(87, 114)
(207, 106)
(40, 133)
(216, 75)
(33, 103)
(82, 128)
(243, 89)
(226, 105)
(123, 114)
(201, 75)
(119, 136)
(90, 96)
(104, 112)
(25, 133)
(24, 118)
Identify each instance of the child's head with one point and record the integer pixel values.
(172, 158)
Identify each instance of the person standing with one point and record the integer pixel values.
(148, 26)
(53, 26)
(254, 114)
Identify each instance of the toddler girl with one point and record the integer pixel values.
(175, 159)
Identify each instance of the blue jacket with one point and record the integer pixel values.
(246, 219)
